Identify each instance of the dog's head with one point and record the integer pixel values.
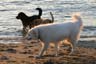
(32, 35)
(20, 15)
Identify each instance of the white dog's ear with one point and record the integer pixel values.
(35, 32)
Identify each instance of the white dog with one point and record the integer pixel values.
(56, 32)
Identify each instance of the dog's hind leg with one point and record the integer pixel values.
(56, 49)
(73, 45)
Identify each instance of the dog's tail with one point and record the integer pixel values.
(52, 17)
(76, 16)
(40, 11)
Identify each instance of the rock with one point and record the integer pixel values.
(26, 52)
(4, 58)
(11, 50)
(49, 62)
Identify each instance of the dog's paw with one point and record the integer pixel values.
(71, 54)
(37, 57)
(74, 53)
(56, 55)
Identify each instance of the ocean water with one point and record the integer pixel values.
(11, 28)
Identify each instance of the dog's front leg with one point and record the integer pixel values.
(44, 48)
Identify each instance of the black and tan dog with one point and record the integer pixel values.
(28, 21)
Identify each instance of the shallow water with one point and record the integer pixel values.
(61, 9)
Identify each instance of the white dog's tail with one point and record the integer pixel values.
(76, 17)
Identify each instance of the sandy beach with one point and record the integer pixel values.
(14, 51)
(22, 53)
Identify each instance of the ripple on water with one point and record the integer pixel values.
(11, 39)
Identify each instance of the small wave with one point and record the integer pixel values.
(20, 2)
(11, 39)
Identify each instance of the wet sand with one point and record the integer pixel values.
(22, 53)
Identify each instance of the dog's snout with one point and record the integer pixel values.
(17, 17)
